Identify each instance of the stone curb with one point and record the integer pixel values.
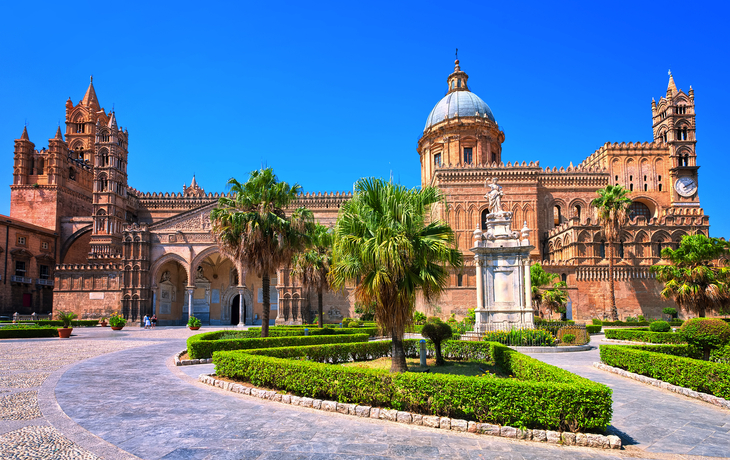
(190, 362)
(554, 437)
(714, 400)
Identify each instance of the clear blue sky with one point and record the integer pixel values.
(329, 92)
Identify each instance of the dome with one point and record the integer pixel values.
(461, 104)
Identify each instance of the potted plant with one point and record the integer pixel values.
(65, 317)
(102, 322)
(193, 323)
(117, 322)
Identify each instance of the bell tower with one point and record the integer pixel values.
(674, 125)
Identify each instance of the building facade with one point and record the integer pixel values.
(116, 249)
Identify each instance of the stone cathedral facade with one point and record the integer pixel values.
(115, 248)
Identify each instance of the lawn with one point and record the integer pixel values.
(467, 368)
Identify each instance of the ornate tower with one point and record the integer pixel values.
(674, 125)
(460, 130)
(23, 155)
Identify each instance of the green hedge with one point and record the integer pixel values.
(593, 328)
(24, 332)
(56, 323)
(540, 395)
(662, 362)
(286, 331)
(203, 345)
(642, 335)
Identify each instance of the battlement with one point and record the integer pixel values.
(90, 267)
(622, 146)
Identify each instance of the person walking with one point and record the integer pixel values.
(146, 322)
(154, 321)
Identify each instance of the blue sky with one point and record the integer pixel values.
(326, 93)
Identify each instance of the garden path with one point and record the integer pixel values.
(648, 417)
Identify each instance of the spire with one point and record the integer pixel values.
(193, 184)
(112, 121)
(59, 135)
(90, 99)
(24, 136)
(671, 85)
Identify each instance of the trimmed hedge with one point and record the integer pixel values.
(593, 328)
(287, 331)
(625, 323)
(664, 362)
(540, 395)
(56, 323)
(203, 345)
(15, 332)
(643, 335)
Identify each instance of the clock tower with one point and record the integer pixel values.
(674, 126)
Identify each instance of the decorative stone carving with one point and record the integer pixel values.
(494, 196)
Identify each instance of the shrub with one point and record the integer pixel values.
(56, 323)
(640, 319)
(706, 333)
(593, 328)
(665, 362)
(540, 395)
(630, 319)
(66, 317)
(624, 323)
(721, 355)
(596, 322)
(437, 332)
(670, 311)
(419, 318)
(568, 338)
(643, 335)
(431, 319)
(203, 345)
(193, 322)
(27, 331)
(521, 337)
(660, 326)
(117, 321)
(580, 335)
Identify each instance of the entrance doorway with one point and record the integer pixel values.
(235, 318)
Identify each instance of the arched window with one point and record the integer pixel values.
(621, 250)
(576, 211)
(484, 219)
(556, 215)
(639, 209)
(602, 249)
(564, 277)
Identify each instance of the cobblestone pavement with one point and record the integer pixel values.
(104, 395)
(649, 418)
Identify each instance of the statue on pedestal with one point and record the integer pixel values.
(494, 195)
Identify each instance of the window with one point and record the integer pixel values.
(459, 279)
(631, 187)
(485, 213)
(660, 187)
(494, 157)
(44, 271)
(556, 215)
(616, 178)
(639, 209)
(44, 245)
(646, 187)
(437, 159)
(21, 241)
(602, 250)
(564, 277)
(467, 155)
(71, 174)
(458, 84)
(19, 268)
(664, 137)
(621, 250)
(576, 211)
(79, 127)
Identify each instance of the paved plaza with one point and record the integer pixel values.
(114, 395)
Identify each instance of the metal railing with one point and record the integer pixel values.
(44, 282)
(21, 279)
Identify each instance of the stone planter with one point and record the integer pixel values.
(117, 328)
(64, 332)
(103, 323)
(193, 328)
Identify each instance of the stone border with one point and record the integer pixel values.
(190, 362)
(563, 349)
(554, 437)
(714, 400)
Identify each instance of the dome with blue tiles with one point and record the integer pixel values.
(459, 102)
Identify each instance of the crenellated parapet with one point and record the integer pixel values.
(321, 200)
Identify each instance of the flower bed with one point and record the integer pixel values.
(674, 364)
(644, 335)
(539, 395)
(202, 346)
(27, 331)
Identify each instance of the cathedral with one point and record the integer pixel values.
(84, 240)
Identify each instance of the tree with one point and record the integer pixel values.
(695, 277)
(313, 264)
(437, 331)
(706, 334)
(539, 278)
(389, 244)
(252, 229)
(612, 206)
(556, 298)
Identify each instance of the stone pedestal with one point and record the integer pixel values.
(504, 298)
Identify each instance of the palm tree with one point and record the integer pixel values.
(387, 243)
(539, 278)
(555, 298)
(612, 205)
(251, 227)
(313, 264)
(694, 277)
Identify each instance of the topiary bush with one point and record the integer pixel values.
(672, 312)
(596, 322)
(660, 326)
(437, 332)
(706, 333)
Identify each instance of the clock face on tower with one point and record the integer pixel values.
(685, 186)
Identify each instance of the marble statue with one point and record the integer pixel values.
(494, 196)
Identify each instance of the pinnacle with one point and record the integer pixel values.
(90, 99)
(671, 85)
(59, 135)
(24, 136)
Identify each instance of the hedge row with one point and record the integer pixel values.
(203, 345)
(677, 323)
(653, 361)
(287, 331)
(540, 395)
(14, 332)
(56, 323)
(642, 335)
(593, 328)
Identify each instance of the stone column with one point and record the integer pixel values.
(190, 301)
(241, 319)
(480, 282)
(528, 284)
